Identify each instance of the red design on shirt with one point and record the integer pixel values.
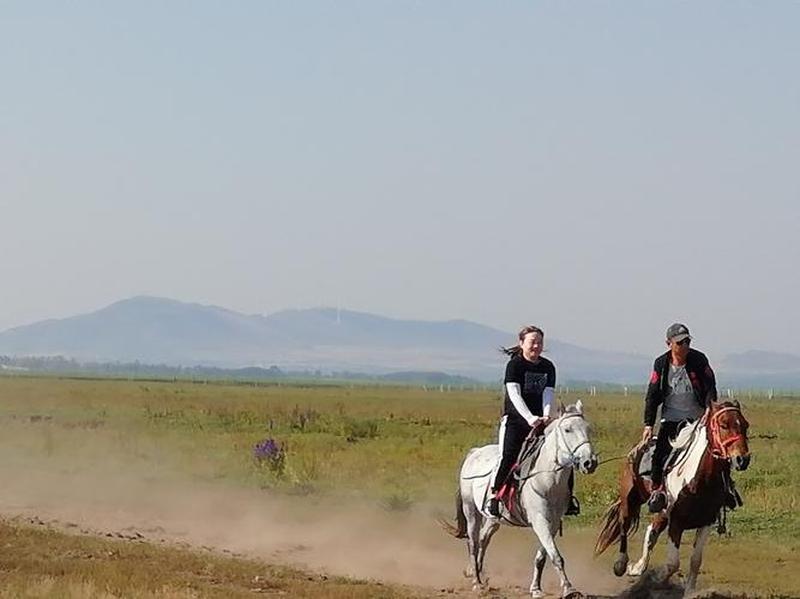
(653, 377)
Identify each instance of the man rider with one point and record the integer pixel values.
(683, 384)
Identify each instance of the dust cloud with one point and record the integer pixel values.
(336, 535)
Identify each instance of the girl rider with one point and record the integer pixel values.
(529, 383)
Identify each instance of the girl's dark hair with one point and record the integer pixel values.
(515, 350)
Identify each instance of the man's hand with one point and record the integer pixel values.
(647, 434)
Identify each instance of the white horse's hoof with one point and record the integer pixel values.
(572, 594)
(537, 593)
(480, 586)
(634, 570)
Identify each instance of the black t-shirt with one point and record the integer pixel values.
(532, 377)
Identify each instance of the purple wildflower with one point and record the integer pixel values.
(270, 453)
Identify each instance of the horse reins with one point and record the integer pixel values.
(560, 433)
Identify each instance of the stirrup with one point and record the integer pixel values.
(573, 506)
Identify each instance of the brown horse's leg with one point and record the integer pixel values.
(673, 562)
(621, 562)
(628, 515)
(625, 521)
(697, 558)
(655, 528)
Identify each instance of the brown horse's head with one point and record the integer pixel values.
(728, 428)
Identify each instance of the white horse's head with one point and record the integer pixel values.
(573, 438)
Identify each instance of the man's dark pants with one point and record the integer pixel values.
(667, 431)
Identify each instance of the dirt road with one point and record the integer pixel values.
(342, 536)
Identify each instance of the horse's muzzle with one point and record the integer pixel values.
(741, 462)
(588, 466)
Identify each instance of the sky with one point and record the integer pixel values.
(599, 169)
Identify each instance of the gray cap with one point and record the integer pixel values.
(678, 332)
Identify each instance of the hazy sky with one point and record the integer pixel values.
(600, 169)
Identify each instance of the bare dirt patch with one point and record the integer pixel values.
(320, 533)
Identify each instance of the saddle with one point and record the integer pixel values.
(519, 473)
(641, 457)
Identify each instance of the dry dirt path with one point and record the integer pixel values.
(317, 533)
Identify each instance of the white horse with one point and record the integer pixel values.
(543, 496)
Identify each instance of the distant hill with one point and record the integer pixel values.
(760, 369)
(762, 361)
(155, 330)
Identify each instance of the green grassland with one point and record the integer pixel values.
(398, 446)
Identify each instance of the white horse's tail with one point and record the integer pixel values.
(459, 530)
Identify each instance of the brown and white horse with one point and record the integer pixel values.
(697, 487)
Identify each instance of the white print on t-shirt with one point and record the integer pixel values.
(535, 382)
(680, 403)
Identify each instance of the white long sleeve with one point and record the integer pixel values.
(548, 400)
(515, 395)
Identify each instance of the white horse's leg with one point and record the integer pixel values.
(471, 489)
(545, 531)
(697, 558)
(487, 529)
(538, 568)
(650, 538)
(474, 520)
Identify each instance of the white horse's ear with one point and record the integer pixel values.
(579, 406)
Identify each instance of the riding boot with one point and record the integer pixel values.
(573, 507)
(494, 505)
(657, 501)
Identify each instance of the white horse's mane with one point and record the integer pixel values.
(570, 409)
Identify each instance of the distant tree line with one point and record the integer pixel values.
(61, 365)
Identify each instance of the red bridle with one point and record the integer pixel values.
(719, 447)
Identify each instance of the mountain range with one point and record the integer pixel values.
(159, 330)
